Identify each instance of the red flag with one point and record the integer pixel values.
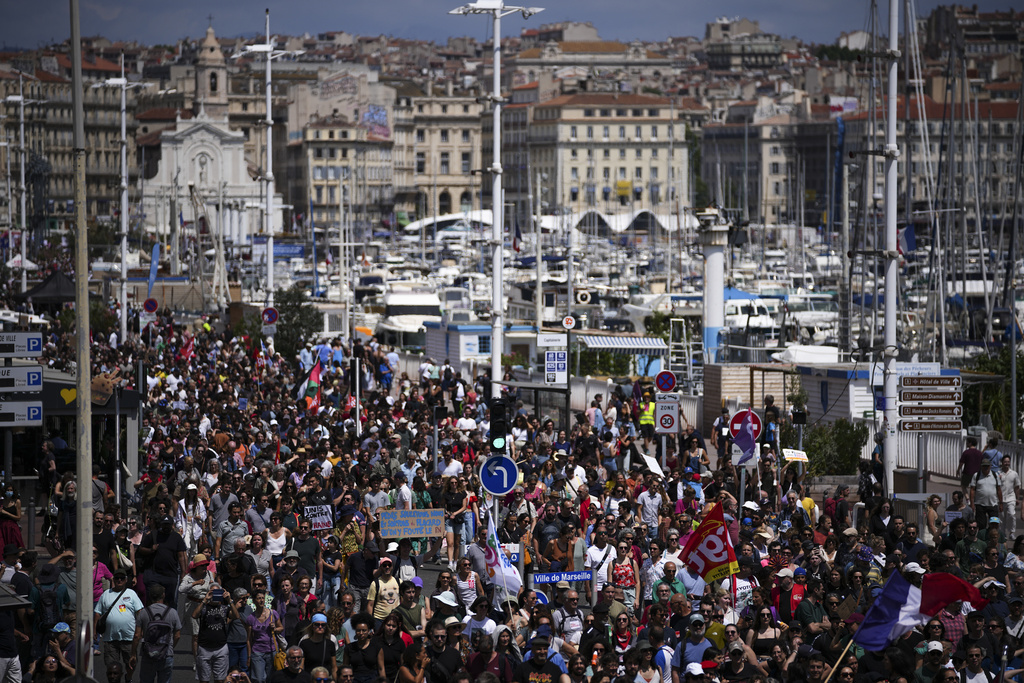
(939, 589)
(277, 455)
(709, 551)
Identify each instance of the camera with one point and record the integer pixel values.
(217, 595)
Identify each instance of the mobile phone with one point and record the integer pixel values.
(217, 595)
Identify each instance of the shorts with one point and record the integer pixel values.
(647, 431)
(212, 665)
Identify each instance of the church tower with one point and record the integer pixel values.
(211, 79)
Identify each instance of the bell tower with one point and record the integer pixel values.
(211, 79)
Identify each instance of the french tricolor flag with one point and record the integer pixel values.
(901, 606)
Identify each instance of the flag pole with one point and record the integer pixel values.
(838, 661)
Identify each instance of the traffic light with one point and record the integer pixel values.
(499, 425)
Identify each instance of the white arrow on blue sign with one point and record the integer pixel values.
(499, 474)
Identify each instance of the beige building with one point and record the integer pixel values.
(610, 152)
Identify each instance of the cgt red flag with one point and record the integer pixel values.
(709, 551)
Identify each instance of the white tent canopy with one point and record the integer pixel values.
(15, 264)
(580, 220)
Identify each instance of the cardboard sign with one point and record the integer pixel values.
(321, 516)
(794, 455)
(411, 523)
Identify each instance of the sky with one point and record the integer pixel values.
(40, 22)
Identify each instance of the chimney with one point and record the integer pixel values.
(449, 88)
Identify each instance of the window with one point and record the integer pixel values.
(638, 172)
(654, 153)
(318, 153)
(483, 343)
(620, 112)
(332, 194)
(573, 154)
(606, 173)
(572, 132)
(638, 132)
(775, 150)
(319, 194)
(465, 136)
(639, 153)
(465, 163)
(574, 173)
(606, 112)
(445, 164)
(607, 154)
(775, 167)
(318, 173)
(638, 112)
(420, 135)
(777, 189)
(590, 153)
(622, 153)
(654, 172)
(590, 132)
(588, 112)
(465, 109)
(622, 132)
(421, 162)
(653, 112)
(604, 132)
(444, 135)
(622, 173)
(444, 108)
(419, 108)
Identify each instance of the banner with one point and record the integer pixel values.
(500, 570)
(411, 523)
(154, 264)
(709, 551)
(321, 516)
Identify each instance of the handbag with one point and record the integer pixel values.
(101, 623)
(280, 648)
(122, 558)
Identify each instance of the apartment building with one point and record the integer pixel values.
(610, 151)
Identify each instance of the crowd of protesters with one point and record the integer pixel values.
(220, 543)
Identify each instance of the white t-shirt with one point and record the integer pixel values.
(465, 424)
(651, 504)
(487, 625)
(452, 469)
(403, 498)
(597, 561)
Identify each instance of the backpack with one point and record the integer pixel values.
(50, 612)
(156, 641)
(830, 507)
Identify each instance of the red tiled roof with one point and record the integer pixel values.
(97, 64)
(607, 99)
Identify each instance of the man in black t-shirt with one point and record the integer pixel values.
(213, 613)
(165, 549)
(445, 660)
(537, 669)
(102, 540)
(293, 672)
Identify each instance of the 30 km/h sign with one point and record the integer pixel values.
(736, 423)
(666, 414)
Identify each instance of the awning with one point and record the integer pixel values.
(637, 346)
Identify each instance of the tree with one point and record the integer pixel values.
(993, 398)
(834, 448)
(298, 321)
(700, 188)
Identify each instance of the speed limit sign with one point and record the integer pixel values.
(666, 414)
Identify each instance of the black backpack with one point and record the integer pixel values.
(158, 640)
(50, 612)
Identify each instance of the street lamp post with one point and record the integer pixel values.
(123, 84)
(497, 9)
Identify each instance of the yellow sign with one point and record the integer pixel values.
(624, 188)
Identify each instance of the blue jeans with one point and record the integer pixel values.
(329, 590)
(155, 670)
(238, 656)
(262, 666)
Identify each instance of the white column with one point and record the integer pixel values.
(244, 226)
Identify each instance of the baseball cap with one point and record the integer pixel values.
(694, 669)
(562, 585)
(735, 645)
(751, 505)
(697, 617)
(11, 549)
(799, 571)
(290, 554)
(850, 531)
(914, 568)
(392, 547)
(934, 646)
(61, 627)
(993, 520)
(540, 642)
(417, 581)
(785, 573)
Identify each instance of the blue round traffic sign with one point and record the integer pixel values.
(498, 475)
(665, 381)
(269, 315)
(150, 305)
(542, 597)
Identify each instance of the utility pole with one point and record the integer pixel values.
(892, 155)
(83, 375)
(538, 304)
(497, 9)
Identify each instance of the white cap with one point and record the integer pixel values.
(934, 646)
(392, 547)
(914, 568)
(751, 505)
(785, 573)
(694, 669)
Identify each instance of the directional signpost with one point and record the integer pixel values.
(21, 378)
(498, 475)
(931, 403)
(21, 344)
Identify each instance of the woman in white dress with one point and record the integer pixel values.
(189, 518)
